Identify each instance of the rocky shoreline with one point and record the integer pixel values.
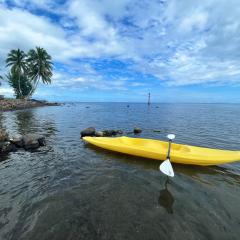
(18, 104)
(27, 142)
(91, 131)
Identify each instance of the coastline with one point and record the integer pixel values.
(18, 104)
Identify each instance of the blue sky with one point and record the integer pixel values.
(105, 50)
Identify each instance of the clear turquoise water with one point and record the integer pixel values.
(71, 190)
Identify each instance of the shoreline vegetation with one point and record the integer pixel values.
(26, 71)
(19, 104)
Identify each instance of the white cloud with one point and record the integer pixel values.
(197, 21)
(178, 42)
(21, 29)
(6, 91)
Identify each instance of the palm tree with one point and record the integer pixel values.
(39, 67)
(16, 59)
(25, 85)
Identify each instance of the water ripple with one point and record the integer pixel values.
(71, 190)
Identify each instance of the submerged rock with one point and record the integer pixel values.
(137, 130)
(42, 141)
(6, 147)
(91, 131)
(17, 141)
(32, 141)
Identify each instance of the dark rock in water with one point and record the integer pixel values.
(109, 133)
(28, 142)
(17, 141)
(91, 131)
(105, 133)
(6, 147)
(112, 132)
(42, 141)
(3, 135)
(128, 106)
(137, 130)
(32, 141)
(156, 130)
(87, 107)
(99, 134)
(119, 132)
(129, 133)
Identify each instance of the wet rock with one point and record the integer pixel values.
(3, 135)
(137, 130)
(108, 133)
(119, 132)
(42, 141)
(129, 133)
(91, 131)
(17, 141)
(112, 132)
(156, 130)
(99, 134)
(32, 141)
(6, 147)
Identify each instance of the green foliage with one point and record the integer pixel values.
(1, 78)
(26, 70)
(16, 59)
(40, 65)
(25, 85)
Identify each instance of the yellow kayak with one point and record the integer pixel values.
(156, 149)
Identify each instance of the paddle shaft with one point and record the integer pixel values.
(169, 149)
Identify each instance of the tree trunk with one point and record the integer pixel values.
(19, 85)
(33, 89)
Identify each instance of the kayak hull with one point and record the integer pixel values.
(155, 149)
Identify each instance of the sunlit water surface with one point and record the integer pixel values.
(71, 190)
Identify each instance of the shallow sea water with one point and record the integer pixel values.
(71, 190)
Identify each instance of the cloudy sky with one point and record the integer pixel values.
(106, 50)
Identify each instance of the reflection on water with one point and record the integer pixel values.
(166, 199)
(1, 120)
(26, 121)
(72, 190)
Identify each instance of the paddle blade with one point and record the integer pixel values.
(166, 168)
